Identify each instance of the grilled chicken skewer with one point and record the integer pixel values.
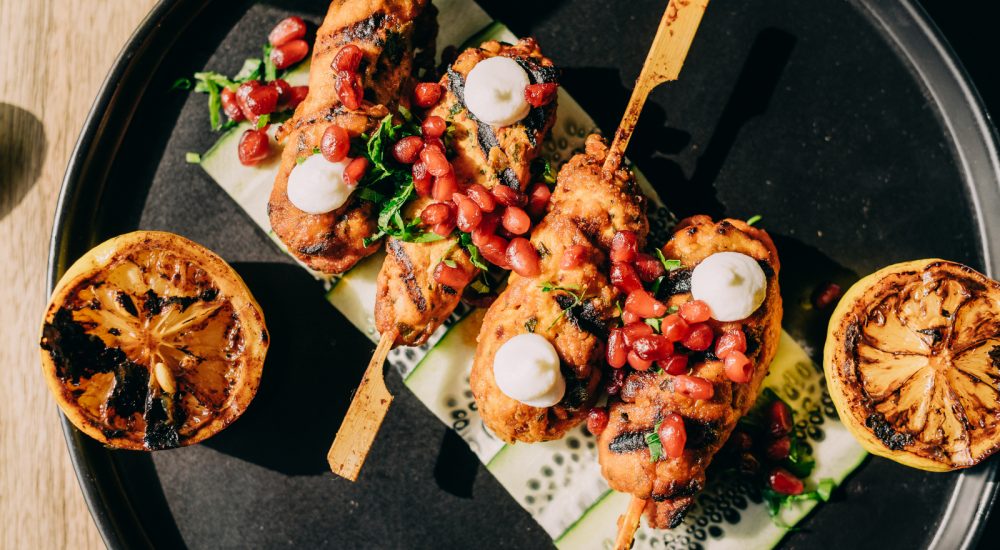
(571, 303)
(387, 33)
(411, 300)
(668, 486)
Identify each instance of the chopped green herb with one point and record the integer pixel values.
(655, 323)
(182, 84)
(573, 291)
(653, 442)
(405, 113)
(543, 170)
(270, 71)
(481, 286)
(263, 121)
(370, 195)
(530, 324)
(776, 501)
(754, 219)
(449, 263)
(669, 265)
(214, 105)
(465, 240)
(193, 158)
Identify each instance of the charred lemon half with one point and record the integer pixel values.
(912, 361)
(152, 341)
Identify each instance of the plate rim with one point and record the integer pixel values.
(974, 142)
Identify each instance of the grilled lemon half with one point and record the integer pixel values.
(912, 362)
(151, 341)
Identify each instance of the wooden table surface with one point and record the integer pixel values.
(54, 55)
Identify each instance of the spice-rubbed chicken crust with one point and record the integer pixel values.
(409, 299)
(387, 31)
(669, 485)
(578, 335)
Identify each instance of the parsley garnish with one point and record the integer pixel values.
(776, 501)
(263, 121)
(754, 219)
(653, 442)
(655, 323)
(573, 291)
(530, 324)
(669, 265)
(465, 240)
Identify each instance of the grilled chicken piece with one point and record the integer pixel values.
(409, 299)
(387, 31)
(577, 332)
(669, 485)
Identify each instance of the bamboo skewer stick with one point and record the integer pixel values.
(364, 416)
(663, 63)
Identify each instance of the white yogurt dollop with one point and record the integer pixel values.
(732, 284)
(526, 368)
(494, 91)
(316, 186)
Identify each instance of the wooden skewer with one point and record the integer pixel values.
(364, 416)
(629, 523)
(663, 63)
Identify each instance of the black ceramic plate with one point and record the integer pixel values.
(847, 125)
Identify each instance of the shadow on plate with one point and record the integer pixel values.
(314, 364)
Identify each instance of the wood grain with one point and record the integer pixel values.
(54, 55)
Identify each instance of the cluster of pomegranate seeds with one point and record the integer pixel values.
(348, 81)
(539, 95)
(287, 44)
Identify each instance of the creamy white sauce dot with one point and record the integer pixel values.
(732, 284)
(526, 368)
(316, 186)
(494, 91)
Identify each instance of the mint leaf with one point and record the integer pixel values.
(669, 265)
(263, 121)
(654, 444)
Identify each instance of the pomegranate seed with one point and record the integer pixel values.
(433, 127)
(694, 387)
(638, 363)
(494, 249)
(349, 90)
(624, 278)
(624, 246)
(297, 95)
(673, 436)
(653, 347)
(634, 331)
(335, 144)
(523, 258)
(355, 171)
(435, 213)
(407, 150)
(262, 100)
(482, 197)
(628, 318)
(288, 29)
(284, 90)
(444, 228)
(731, 340)
(426, 94)
(617, 348)
(444, 187)
(699, 338)
(435, 161)
(516, 220)
(508, 197)
(422, 180)
(827, 295)
(348, 59)
(230, 106)
(289, 53)
(241, 97)
(597, 420)
(674, 327)
(782, 481)
(539, 95)
(695, 311)
(778, 449)
(779, 419)
(615, 381)
(450, 276)
(675, 364)
(469, 214)
(538, 200)
(644, 305)
(738, 368)
(573, 256)
(486, 228)
(254, 147)
(649, 268)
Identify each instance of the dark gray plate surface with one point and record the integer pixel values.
(844, 125)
